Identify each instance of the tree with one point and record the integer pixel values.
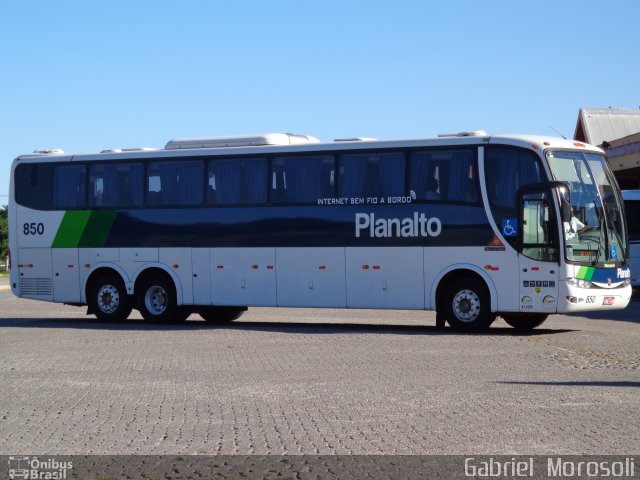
(4, 233)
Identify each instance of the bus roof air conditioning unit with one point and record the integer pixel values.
(240, 141)
(473, 133)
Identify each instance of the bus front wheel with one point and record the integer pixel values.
(221, 314)
(108, 299)
(467, 306)
(525, 322)
(157, 301)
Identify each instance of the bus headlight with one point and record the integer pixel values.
(576, 282)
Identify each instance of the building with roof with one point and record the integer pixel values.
(617, 131)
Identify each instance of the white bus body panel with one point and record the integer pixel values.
(385, 277)
(66, 275)
(178, 260)
(243, 276)
(139, 254)
(311, 277)
(201, 281)
(34, 266)
(538, 286)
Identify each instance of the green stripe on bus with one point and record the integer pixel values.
(71, 228)
(98, 228)
(585, 273)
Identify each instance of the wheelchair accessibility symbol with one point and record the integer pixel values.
(510, 227)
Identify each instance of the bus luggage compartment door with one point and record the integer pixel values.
(385, 277)
(311, 277)
(243, 276)
(66, 275)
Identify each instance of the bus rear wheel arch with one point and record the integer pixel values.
(107, 297)
(156, 298)
(464, 301)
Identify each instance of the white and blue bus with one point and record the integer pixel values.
(632, 208)
(470, 225)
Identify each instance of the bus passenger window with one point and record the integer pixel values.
(175, 183)
(237, 181)
(33, 186)
(302, 179)
(69, 187)
(374, 174)
(448, 175)
(506, 170)
(116, 185)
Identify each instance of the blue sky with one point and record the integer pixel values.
(87, 75)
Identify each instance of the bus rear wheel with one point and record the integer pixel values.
(467, 306)
(157, 300)
(525, 322)
(108, 299)
(221, 314)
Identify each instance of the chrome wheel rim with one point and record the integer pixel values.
(155, 300)
(466, 306)
(108, 299)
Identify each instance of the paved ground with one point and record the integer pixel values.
(316, 382)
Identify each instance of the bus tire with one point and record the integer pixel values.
(467, 305)
(221, 315)
(525, 322)
(157, 300)
(108, 299)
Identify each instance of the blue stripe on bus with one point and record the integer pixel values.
(303, 226)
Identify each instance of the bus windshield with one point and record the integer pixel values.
(597, 231)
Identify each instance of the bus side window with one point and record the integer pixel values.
(374, 174)
(69, 187)
(507, 170)
(33, 186)
(175, 183)
(237, 181)
(116, 185)
(302, 179)
(448, 175)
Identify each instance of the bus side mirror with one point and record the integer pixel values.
(565, 210)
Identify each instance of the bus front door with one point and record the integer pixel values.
(538, 253)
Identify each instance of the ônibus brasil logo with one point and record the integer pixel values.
(417, 226)
(32, 468)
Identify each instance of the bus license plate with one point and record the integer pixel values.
(608, 300)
